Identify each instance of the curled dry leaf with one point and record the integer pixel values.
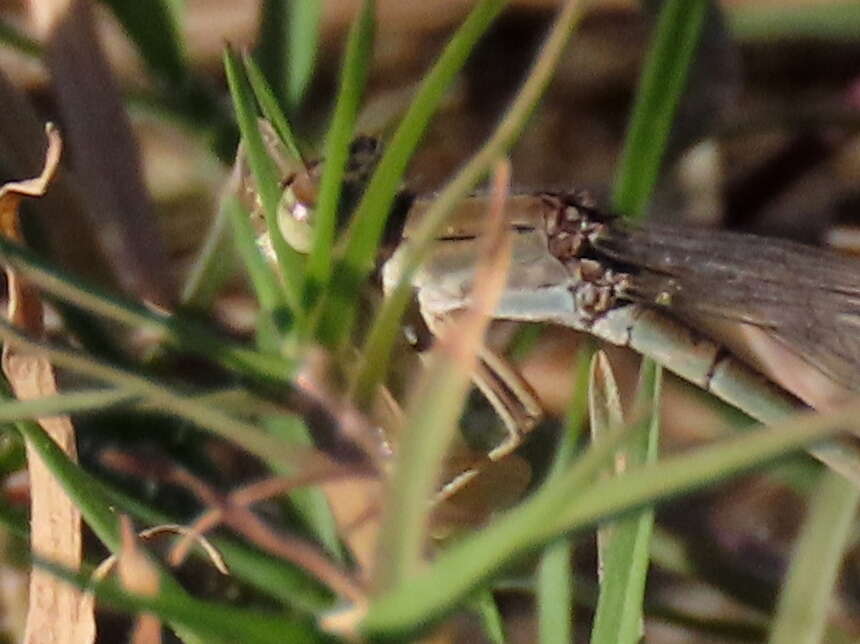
(57, 611)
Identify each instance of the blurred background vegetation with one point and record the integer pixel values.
(766, 140)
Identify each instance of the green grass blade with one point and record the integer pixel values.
(433, 412)
(85, 492)
(806, 595)
(555, 579)
(555, 584)
(568, 504)
(625, 549)
(660, 88)
(203, 415)
(380, 340)
(81, 488)
(368, 222)
(16, 39)
(280, 580)
(310, 502)
(180, 332)
(836, 20)
(268, 103)
(456, 571)
(99, 509)
(63, 404)
(264, 282)
(304, 27)
(277, 578)
(359, 48)
(212, 622)
(491, 618)
(214, 264)
(266, 178)
(273, 42)
(287, 49)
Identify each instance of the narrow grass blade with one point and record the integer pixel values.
(178, 331)
(459, 569)
(99, 504)
(280, 580)
(834, 20)
(807, 593)
(81, 487)
(269, 105)
(287, 47)
(686, 472)
(491, 619)
(264, 282)
(85, 492)
(555, 579)
(267, 180)
(16, 39)
(436, 406)
(604, 407)
(359, 48)
(555, 584)
(368, 222)
(660, 88)
(216, 622)
(358, 258)
(272, 47)
(624, 552)
(63, 404)
(569, 504)
(244, 434)
(304, 23)
(625, 549)
(310, 502)
(214, 264)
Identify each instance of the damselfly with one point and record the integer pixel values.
(634, 286)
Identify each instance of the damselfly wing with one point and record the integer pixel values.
(806, 297)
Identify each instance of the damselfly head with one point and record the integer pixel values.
(300, 183)
(297, 205)
(301, 190)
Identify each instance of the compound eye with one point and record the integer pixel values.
(296, 209)
(295, 220)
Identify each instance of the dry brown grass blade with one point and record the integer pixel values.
(104, 149)
(58, 612)
(461, 338)
(437, 402)
(139, 576)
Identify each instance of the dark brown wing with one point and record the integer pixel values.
(806, 297)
